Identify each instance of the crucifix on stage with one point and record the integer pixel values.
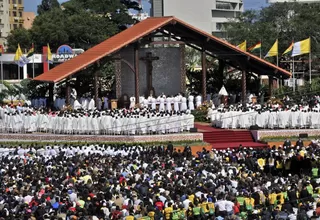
(149, 59)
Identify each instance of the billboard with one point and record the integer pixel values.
(64, 53)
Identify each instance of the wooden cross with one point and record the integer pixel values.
(149, 59)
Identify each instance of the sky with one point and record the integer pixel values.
(31, 5)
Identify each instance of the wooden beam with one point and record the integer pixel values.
(244, 87)
(167, 42)
(204, 74)
(136, 71)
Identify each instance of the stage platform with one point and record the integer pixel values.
(260, 134)
(222, 139)
(45, 137)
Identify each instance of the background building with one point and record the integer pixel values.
(301, 1)
(4, 21)
(28, 18)
(15, 14)
(209, 15)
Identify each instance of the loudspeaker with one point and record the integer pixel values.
(193, 130)
(305, 135)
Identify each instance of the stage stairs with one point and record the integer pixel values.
(224, 138)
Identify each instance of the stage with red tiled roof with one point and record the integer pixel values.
(227, 138)
(177, 30)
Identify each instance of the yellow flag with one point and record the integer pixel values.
(18, 54)
(301, 47)
(274, 50)
(243, 46)
(49, 55)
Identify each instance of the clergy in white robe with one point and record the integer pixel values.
(183, 104)
(153, 103)
(76, 105)
(91, 105)
(132, 102)
(161, 105)
(176, 103)
(198, 101)
(191, 102)
(169, 104)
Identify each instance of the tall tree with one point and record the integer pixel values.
(47, 5)
(19, 36)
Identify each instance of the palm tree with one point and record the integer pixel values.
(10, 91)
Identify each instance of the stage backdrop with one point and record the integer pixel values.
(166, 72)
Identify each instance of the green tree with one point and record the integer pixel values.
(19, 36)
(47, 5)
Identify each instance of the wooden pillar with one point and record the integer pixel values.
(204, 74)
(96, 87)
(68, 91)
(136, 70)
(183, 75)
(117, 70)
(270, 86)
(244, 87)
(50, 101)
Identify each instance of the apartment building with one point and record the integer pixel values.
(16, 14)
(208, 15)
(4, 21)
(28, 18)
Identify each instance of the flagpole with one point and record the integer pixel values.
(278, 82)
(2, 69)
(18, 72)
(293, 80)
(260, 48)
(32, 66)
(310, 61)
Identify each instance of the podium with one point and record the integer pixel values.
(114, 104)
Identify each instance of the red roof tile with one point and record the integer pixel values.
(126, 37)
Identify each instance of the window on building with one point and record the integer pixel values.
(20, 14)
(14, 13)
(14, 1)
(20, 2)
(20, 25)
(224, 6)
(219, 26)
(15, 26)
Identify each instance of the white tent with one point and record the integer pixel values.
(223, 91)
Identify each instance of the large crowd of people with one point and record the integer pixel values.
(97, 181)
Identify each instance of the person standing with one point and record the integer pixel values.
(170, 148)
(191, 102)
(198, 101)
(132, 101)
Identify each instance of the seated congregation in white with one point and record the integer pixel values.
(269, 116)
(153, 116)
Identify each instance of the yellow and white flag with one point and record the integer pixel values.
(273, 50)
(243, 46)
(301, 47)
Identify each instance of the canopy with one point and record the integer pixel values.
(223, 91)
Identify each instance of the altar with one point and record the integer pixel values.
(160, 70)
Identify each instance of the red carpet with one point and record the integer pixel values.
(224, 138)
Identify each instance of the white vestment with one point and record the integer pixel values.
(191, 102)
